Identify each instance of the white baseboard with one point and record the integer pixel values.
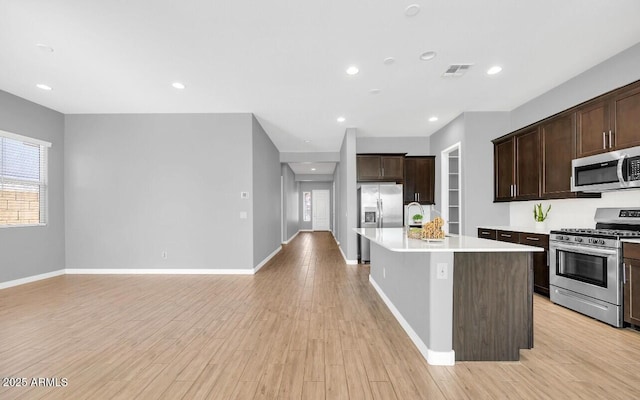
(432, 357)
(305, 230)
(266, 260)
(291, 238)
(156, 271)
(29, 279)
(346, 260)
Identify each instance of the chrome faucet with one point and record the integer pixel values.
(415, 203)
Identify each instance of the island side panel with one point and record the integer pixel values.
(409, 281)
(492, 306)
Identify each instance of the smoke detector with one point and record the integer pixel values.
(456, 70)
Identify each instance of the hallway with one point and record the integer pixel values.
(306, 326)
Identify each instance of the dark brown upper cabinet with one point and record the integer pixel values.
(380, 167)
(517, 166)
(419, 179)
(609, 122)
(557, 136)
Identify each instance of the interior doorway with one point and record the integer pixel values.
(451, 188)
(321, 210)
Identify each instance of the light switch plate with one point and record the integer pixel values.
(243, 215)
(244, 195)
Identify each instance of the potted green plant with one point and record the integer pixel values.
(540, 216)
(417, 219)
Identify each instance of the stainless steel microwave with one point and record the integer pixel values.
(609, 171)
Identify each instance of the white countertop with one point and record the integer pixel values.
(631, 240)
(522, 229)
(395, 239)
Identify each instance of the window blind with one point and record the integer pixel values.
(23, 180)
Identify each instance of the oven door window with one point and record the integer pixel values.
(582, 267)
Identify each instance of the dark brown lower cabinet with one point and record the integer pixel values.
(631, 254)
(540, 259)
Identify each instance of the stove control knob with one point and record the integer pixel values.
(601, 241)
(578, 239)
(567, 238)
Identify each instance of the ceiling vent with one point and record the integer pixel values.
(456, 70)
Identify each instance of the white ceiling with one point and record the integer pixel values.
(285, 60)
(310, 168)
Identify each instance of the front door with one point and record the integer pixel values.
(321, 210)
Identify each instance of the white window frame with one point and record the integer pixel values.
(44, 176)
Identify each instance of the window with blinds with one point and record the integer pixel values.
(23, 180)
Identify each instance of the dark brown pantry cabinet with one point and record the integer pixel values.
(419, 179)
(609, 122)
(540, 259)
(517, 166)
(380, 167)
(631, 255)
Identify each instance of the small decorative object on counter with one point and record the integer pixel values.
(433, 229)
(417, 219)
(414, 233)
(538, 214)
(540, 217)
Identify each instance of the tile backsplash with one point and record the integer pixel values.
(571, 213)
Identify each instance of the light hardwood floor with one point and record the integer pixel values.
(306, 326)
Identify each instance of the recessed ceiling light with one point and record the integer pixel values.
(494, 70)
(313, 169)
(375, 91)
(428, 55)
(433, 119)
(307, 141)
(412, 10)
(389, 60)
(352, 70)
(178, 85)
(44, 47)
(43, 86)
(341, 119)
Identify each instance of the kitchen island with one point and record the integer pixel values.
(459, 299)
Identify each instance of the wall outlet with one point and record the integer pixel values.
(244, 195)
(163, 254)
(243, 215)
(442, 271)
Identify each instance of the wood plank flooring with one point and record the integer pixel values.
(307, 326)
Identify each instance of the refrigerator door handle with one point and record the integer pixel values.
(381, 215)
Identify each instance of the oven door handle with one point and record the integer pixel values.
(584, 250)
(623, 183)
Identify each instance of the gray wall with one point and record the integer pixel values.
(140, 184)
(619, 70)
(308, 187)
(30, 251)
(449, 135)
(266, 194)
(413, 146)
(474, 130)
(477, 165)
(290, 202)
(347, 196)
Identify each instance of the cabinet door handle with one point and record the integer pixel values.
(624, 273)
(418, 196)
(533, 238)
(609, 139)
(604, 140)
(382, 171)
(505, 235)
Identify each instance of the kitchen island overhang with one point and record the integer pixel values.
(461, 299)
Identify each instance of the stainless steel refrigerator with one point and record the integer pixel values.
(379, 206)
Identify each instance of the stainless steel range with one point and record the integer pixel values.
(585, 272)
